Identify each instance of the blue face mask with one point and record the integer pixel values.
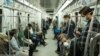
(84, 20)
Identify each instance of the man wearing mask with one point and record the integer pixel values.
(69, 26)
(88, 14)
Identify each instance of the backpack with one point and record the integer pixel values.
(57, 30)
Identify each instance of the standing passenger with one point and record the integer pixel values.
(69, 26)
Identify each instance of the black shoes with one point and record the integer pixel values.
(45, 44)
(35, 51)
(45, 38)
(57, 52)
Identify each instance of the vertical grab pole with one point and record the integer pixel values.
(28, 28)
(21, 29)
(68, 26)
(9, 28)
(74, 50)
(88, 37)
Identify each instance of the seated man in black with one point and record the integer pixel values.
(29, 34)
(38, 34)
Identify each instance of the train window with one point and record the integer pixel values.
(0, 20)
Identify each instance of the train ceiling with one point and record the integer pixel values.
(48, 5)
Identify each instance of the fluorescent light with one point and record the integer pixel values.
(65, 5)
(30, 5)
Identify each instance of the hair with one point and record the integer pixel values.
(12, 32)
(81, 11)
(29, 25)
(66, 16)
(63, 36)
(76, 13)
(91, 13)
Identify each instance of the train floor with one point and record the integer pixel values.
(48, 50)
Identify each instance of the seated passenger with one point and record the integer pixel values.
(4, 44)
(14, 45)
(39, 34)
(29, 34)
(63, 44)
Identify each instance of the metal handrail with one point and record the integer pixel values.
(93, 44)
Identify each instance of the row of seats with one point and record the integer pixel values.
(15, 40)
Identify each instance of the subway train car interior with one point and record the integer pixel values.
(49, 27)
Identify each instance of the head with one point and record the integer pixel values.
(66, 17)
(63, 37)
(82, 10)
(89, 15)
(13, 32)
(87, 12)
(29, 26)
(76, 13)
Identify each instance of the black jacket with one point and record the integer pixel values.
(71, 29)
(27, 34)
(95, 28)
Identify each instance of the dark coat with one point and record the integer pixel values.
(27, 34)
(71, 29)
(95, 28)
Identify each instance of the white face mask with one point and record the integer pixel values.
(66, 44)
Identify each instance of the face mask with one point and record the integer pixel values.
(84, 20)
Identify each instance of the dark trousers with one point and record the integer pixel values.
(56, 35)
(41, 39)
(58, 46)
(77, 49)
(44, 35)
(31, 49)
(35, 41)
(42, 42)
